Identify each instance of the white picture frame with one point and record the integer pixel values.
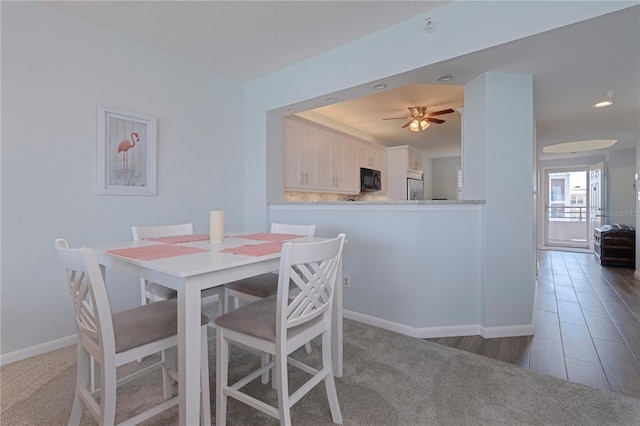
(126, 152)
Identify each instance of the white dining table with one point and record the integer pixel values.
(189, 275)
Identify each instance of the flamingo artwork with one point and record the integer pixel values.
(125, 146)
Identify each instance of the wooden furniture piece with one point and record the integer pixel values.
(615, 245)
(189, 275)
(278, 325)
(118, 339)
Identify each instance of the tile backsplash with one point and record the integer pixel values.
(324, 196)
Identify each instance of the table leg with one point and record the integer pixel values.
(189, 311)
(336, 324)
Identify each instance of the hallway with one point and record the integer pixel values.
(587, 325)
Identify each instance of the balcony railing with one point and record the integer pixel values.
(567, 213)
(567, 225)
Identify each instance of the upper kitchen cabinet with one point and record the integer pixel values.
(402, 162)
(301, 157)
(318, 159)
(414, 160)
(372, 157)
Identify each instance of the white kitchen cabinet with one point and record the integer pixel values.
(402, 162)
(371, 157)
(318, 159)
(414, 160)
(301, 156)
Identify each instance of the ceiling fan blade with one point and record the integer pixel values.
(444, 111)
(434, 120)
(396, 118)
(407, 124)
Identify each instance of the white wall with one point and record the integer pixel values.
(463, 27)
(55, 70)
(620, 191)
(445, 177)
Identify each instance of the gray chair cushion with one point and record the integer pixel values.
(145, 324)
(258, 319)
(162, 291)
(261, 286)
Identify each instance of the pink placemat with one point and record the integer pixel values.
(267, 236)
(159, 251)
(180, 238)
(256, 249)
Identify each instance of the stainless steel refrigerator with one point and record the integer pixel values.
(415, 189)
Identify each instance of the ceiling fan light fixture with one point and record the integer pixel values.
(607, 102)
(414, 126)
(424, 124)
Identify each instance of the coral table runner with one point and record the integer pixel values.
(256, 249)
(159, 251)
(267, 236)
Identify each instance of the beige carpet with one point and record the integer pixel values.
(389, 379)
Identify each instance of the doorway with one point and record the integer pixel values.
(566, 212)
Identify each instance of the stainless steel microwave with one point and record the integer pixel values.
(370, 180)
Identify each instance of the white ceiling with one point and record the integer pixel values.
(572, 66)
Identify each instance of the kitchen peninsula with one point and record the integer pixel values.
(415, 267)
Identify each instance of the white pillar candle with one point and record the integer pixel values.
(216, 226)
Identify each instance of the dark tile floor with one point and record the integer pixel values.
(587, 325)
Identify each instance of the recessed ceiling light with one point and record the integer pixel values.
(291, 110)
(331, 99)
(446, 77)
(380, 86)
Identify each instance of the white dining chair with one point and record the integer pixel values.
(255, 288)
(280, 324)
(113, 340)
(151, 291)
(265, 285)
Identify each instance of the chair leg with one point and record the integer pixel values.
(222, 371)
(329, 382)
(169, 362)
(264, 360)
(108, 392)
(205, 403)
(307, 347)
(83, 367)
(283, 389)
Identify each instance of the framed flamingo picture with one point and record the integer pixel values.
(126, 152)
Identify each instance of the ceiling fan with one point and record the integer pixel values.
(421, 119)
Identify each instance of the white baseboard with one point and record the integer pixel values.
(444, 331)
(420, 333)
(35, 350)
(636, 275)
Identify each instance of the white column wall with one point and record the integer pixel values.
(506, 135)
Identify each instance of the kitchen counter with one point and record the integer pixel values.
(378, 202)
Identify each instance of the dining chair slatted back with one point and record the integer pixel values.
(113, 340)
(265, 285)
(255, 288)
(280, 324)
(150, 291)
(153, 292)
